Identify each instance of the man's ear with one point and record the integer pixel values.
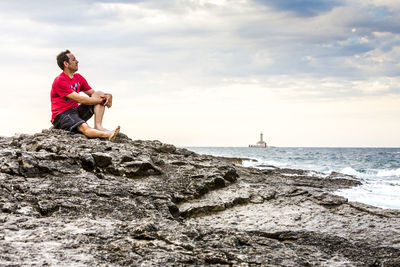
(65, 64)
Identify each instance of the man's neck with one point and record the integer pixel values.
(68, 73)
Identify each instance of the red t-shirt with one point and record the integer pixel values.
(63, 86)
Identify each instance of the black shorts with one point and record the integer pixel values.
(70, 119)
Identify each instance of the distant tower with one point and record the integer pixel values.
(260, 143)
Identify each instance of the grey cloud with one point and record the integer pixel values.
(206, 54)
(327, 46)
(73, 13)
(304, 8)
(121, 1)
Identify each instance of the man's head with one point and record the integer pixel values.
(66, 60)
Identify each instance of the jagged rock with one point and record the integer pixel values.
(66, 200)
(102, 160)
(165, 148)
(230, 173)
(329, 199)
(88, 161)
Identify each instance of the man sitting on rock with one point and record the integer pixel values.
(67, 114)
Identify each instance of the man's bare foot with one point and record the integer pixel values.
(114, 133)
(101, 128)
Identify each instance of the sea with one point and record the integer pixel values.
(377, 168)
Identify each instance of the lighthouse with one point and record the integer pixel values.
(260, 143)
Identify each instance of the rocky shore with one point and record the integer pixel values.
(66, 200)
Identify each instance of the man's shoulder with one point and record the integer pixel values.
(56, 81)
(78, 76)
(60, 77)
(63, 77)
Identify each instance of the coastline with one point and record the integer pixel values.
(377, 168)
(69, 200)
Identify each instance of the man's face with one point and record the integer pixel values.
(72, 65)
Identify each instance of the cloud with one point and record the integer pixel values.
(303, 8)
(202, 43)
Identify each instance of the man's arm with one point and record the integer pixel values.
(108, 97)
(89, 92)
(85, 100)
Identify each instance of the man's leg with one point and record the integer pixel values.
(92, 133)
(99, 113)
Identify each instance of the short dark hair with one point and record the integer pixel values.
(62, 57)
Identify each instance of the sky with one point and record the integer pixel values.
(213, 72)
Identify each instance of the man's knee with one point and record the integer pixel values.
(84, 128)
(98, 94)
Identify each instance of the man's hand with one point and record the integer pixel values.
(84, 100)
(108, 100)
(102, 96)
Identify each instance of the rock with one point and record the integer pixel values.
(230, 174)
(327, 199)
(166, 148)
(72, 201)
(102, 160)
(88, 161)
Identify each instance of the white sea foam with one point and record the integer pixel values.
(350, 171)
(377, 193)
(262, 164)
(388, 173)
(318, 174)
(249, 163)
(290, 174)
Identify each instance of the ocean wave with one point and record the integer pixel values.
(377, 193)
(351, 171)
(250, 162)
(262, 164)
(388, 173)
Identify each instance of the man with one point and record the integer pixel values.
(67, 114)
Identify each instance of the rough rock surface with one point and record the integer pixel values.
(66, 200)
